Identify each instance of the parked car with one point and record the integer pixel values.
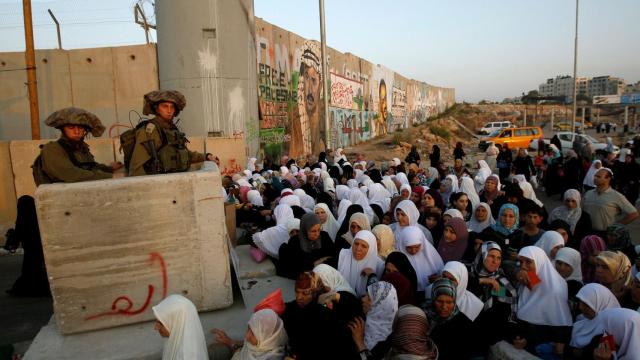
(519, 137)
(566, 140)
(566, 126)
(490, 127)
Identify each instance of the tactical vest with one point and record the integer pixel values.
(173, 154)
(81, 158)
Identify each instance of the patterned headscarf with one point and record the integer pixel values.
(447, 287)
(409, 335)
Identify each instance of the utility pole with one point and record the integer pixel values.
(575, 78)
(30, 60)
(325, 78)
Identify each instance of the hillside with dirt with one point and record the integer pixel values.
(461, 123)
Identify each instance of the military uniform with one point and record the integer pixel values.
(159, 146)
(70, 161)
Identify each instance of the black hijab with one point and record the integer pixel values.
(344, 227)
(401, 262)
(308, 221)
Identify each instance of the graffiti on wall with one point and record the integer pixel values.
(346, 93)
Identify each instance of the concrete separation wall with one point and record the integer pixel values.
(109, 82)
(114, 248)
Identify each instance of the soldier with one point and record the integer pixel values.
(68, 159)
(159, 146)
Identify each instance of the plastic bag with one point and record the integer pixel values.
(257, 254)
(272, 301)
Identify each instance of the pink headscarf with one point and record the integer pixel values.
(590, 246)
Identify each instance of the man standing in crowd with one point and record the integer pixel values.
(605, 204)
(160, 147)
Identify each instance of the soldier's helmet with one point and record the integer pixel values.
(153, 98)
(76, 116)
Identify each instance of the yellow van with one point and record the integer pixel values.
(519, 137)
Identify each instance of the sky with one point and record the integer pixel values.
(489, 49)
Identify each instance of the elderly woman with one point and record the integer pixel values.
(571, 212)
(421, 254)
(448, 323)
(309, 342)
(491, 189)
(177, 320)
(467, 302)
(329, 223)
(380, 305)
(409, 338)
(481, 218)
(489, 283)
(309, 248)
(265, 338)
(363, 255)
(499, 232)
(543, 309)
(613, 270)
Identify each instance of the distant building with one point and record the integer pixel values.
(597, 86)
(563, 86)
(632, 88)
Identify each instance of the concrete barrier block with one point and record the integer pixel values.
(7, 190)
(23, 153)
(102, 150)
(504, 351)
(114, 248)
(248, 268)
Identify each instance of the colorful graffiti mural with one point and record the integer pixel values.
(366, 100)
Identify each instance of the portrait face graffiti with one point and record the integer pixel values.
(382, 91)
(311, 88)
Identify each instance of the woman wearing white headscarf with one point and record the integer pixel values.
(402, 178)
(622, 324)
(383, 306)
(357, 197)
(491, 155)
(255, 198)
(477, 225)
(448, 186)
(362, 222)
(570, 211)
(270, 239)
(469, 189)
(407, 214)
(339, 156)
(329, 223)
(177, 320)
(424, 258)
(529, 193)
(380, 196)
(568, 263)
(362, 255)
(251, 165)
(453, 213)
(352, 184)
(467, 302)
(588, 178)
(543, 306)
(484, 171)
(390, 185)
(306, 201)
(551, 241)
(342, 192)
(342, 209)
(332, 279)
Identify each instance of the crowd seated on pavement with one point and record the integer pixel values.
(411, 259)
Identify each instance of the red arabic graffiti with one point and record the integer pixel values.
(231, 169)
(127, 310)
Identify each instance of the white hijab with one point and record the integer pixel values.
(454, 213)
(328, 185)
(562, 212)
(352, 184)
(402, 178)
(357, 197)
(330, 226)
(426, 262)
(405, 187)
(291, 200)
(477, 226)
(468, 188)
(549, 240)
(270, 240)
(306, 200)
(251, 165)
(342, 210)
(527, 191)
(380, 196)
(467, 302)
(384, 306)
(588, 178)
(339, 156)
(255, 198)
(572, 258)
(390, 185)
(623, 324)
(412, 212)
(351, 268)
(342, 192)
(186, 339)
(332, 278)
(483, 173)
(272, 338)
(546, 303)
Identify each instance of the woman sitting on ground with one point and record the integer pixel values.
(177, 320)
(423, 257)
(356, 263)
(409, 338)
